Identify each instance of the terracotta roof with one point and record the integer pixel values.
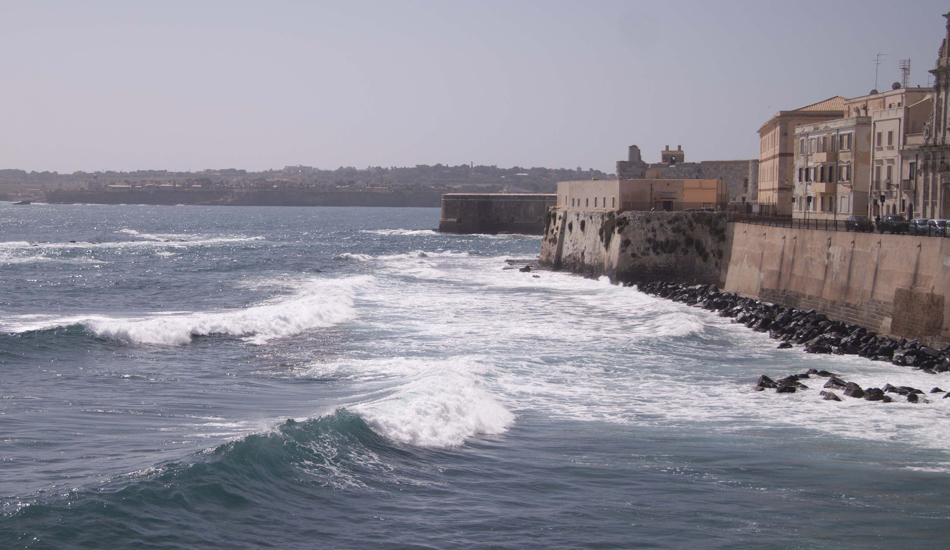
(835, 103)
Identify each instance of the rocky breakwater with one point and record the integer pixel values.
(637, 247)
(813, 331)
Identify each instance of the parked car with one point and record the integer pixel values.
(937, 228)
(893, 223)
(918, 226)
(858, 223)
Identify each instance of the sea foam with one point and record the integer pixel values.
(315, 303)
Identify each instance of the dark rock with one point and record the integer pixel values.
(886, 399)
(891, 389)
(829, 396)
(874, 394)
(936, 390)
(825, 373)
(785, 389)
(784, 345)
(764, 383)
(836, 383)
(853, 390)
(913, 398)
(525, 269)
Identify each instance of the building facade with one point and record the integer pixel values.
(896, 115)
(641, 194)
(934, 153)
(741, 176)
(832, 165)
(777, 150)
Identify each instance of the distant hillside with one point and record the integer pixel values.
(463, 178)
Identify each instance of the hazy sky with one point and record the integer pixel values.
(191, 85)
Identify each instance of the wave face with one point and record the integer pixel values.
(315, 303)
(440, 398)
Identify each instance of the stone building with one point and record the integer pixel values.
(741, 177)
(776, 152)
(934, 153)
(832, 167)
(641, 194)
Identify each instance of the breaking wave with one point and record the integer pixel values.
(316, 303)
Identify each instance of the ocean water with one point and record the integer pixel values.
(215, 377)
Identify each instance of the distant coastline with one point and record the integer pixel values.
(175, 196)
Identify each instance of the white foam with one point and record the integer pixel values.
(347, 256)
(149, 241)
(440, 408)
(314, 304)
(401, 232)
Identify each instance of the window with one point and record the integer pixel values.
(890, 137)
(912, 171)
(605, 202)
(848, 142)
(878, 142)
(801, 174)
(877, 174)
(595, 202)
(613, 202)
(889, 168)
(801, 146)
(586, 202)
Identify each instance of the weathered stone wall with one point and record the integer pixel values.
(741, 176)
(686, 247)
(892, 284)
(495, 213)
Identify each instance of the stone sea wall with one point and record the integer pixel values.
(893, 285)
(637, 246)
(495, 212)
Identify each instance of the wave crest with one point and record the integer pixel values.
(316, 303)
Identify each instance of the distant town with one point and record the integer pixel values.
(421, 185)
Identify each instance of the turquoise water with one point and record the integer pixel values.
(215, 377)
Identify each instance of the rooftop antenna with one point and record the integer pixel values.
(877, 65)
(904, 64)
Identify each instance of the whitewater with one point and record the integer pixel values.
(208, 377)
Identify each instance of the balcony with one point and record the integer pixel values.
(827, 156)
(823, 188)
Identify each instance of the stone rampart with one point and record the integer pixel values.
(892, 284)
(895, 285)
(635, 247)
(495, 213)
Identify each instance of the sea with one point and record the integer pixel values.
(211, 377)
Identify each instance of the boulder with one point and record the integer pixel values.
(835, 383)
(874, 394)
(936, 390)
(785, 389)
(853, 390)
(765, 383)
(829, 396)
(784, 345)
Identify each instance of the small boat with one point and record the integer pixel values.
(21, 203)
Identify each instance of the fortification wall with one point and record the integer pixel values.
(495, 213)
(892, 284)
(635, 247)
(895, 285)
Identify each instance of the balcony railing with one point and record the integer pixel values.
(824, 187)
